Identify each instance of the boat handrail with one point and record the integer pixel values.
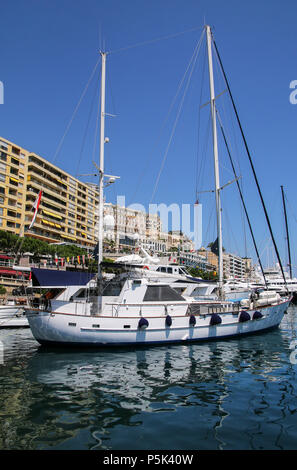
(148, 304)
(207, 309)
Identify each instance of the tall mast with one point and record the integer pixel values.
(287, 231)
(216, 157)
(101, 163)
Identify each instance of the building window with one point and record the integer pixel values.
(14, 161)
(13, 171)
(15, 150)
(11, 214)
(3, 145)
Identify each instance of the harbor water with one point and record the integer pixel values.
(235, 394)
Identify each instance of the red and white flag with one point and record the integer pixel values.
(35, 207)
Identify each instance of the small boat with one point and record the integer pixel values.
(134, 309)
(12, 314)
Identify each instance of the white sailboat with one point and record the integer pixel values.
(134, 310)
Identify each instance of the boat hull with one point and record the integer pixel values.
(101, 331)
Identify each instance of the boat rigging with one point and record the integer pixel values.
(135, 310)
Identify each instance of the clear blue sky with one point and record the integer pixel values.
(48, 50)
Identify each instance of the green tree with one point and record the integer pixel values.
(207, 275)
(2, 290)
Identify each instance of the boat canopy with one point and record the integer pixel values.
(53, 277)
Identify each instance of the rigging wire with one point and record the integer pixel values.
(197, 170)
(206, 140)
(96, 130)
(252, 165)
(291, 208)
(151, 41)
(234, 152)
(230, 232)
(75, 111)
(86, 130)
(287, 231)
(193, 59)
(211, 221)
(242, 200)
(166, 119)
(291, 213)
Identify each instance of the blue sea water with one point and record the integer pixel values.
(235, 394)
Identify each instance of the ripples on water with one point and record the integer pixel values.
(236, 394)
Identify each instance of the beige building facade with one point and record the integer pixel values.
(68, 207)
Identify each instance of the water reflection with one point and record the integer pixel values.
(224, 395)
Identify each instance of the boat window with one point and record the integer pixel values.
(109, 289)
(169, 270)
(86, 293)
(161, 294)
(180, 290)
(49, 294)
(163, 269)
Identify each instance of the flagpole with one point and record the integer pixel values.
(36, 207)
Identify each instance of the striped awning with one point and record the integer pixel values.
(51, 214)
(69, 238)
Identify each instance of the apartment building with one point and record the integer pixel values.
(68, 207)
(234, 266)
(124, 226)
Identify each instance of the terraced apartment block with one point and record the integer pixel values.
(68, 206)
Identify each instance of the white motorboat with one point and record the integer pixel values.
(235, 289)
(173, 274)
(138, 311)
(275, 281)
